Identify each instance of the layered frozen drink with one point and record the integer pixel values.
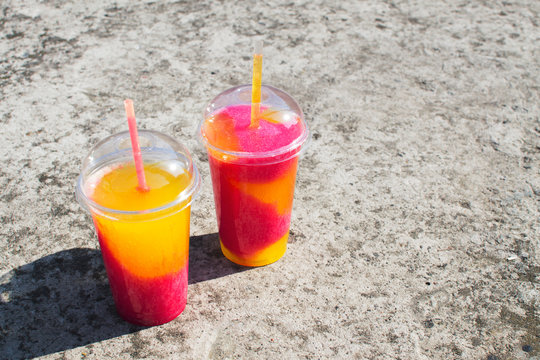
(143, 234)
(253, 167)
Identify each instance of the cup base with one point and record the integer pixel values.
(151, 322)
(266, 256)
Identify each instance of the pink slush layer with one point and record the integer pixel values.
(267, 137)
(145, 301)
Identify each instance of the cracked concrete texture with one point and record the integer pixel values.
(415, 230)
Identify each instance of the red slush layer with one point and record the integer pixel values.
(145, 301)
(246, 224)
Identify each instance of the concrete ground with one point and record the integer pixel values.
(415, 229)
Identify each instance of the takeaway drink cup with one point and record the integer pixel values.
(143, 235)
(253, 170)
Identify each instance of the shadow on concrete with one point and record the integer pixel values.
(206, 262)
(58, 302)
(63, 301)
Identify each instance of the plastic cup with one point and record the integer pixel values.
(144, 236)
(253, 171)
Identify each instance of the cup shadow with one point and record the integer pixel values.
(206, 262)
(55, 303)
(63, 301)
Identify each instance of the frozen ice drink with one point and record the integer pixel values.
(143, 235)
(253, 171)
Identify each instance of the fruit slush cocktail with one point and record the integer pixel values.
(253, 171)
(143, 235)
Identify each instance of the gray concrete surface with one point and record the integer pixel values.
(415, 232)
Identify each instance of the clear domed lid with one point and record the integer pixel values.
(240, 140)
(116, 150)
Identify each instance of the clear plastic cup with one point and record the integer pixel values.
(253, 170)
(144, 236)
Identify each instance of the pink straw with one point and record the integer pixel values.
(130, 113)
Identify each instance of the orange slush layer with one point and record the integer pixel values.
(117, 189)
(278, 192)
(266, 256)
(219, 130)
(148, 247)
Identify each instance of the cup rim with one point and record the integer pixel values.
(190, 191)
(298, 142)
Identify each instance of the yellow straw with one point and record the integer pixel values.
(256, 86)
